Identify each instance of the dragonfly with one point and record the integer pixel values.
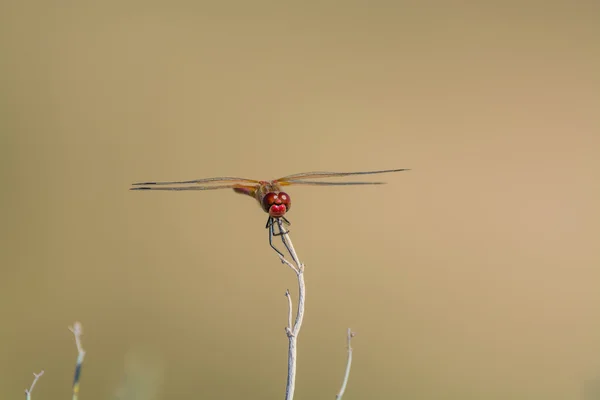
(273, 201)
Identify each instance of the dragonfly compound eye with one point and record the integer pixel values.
(285, 200)
(276, 204)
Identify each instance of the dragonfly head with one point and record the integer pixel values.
(276, 204)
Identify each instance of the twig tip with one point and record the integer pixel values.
(77, 328)
(35, 378)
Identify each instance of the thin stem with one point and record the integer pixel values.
(289, 264)
(289, 297)
(35, 379)
(348, 365)
(77, 331)
(288, 244)
(292, 331)
(301, 297)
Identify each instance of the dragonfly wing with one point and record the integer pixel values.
(311, 175)
(213, 187)
(321, 183)
(219, 180)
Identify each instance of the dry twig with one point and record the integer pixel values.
(348, 365)
(292, 330)
(35, 379)
(77, 331)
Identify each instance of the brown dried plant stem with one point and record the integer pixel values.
(293, 329)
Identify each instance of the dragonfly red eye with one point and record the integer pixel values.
(285, 200)
(276, 204)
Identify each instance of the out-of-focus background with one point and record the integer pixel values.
(473, 276)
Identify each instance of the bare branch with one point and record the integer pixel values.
(292, 330)
(348, 365)
(301, 297)
(289, 297)
(288, 245)
(77, 331)
(286, 262)
(35, 379)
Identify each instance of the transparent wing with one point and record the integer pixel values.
(213, 187)
(321, 183)
(219, 180)
(296, 178)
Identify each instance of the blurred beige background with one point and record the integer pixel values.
(474, 276)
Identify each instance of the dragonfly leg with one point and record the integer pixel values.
(269, 223)
(271, 227)
(280, 222)
(284, 219)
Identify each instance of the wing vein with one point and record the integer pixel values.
(217, 180)
(323, 174)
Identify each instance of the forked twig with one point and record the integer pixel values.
(348, 365)
(35, 379)
(292, 330)
(77, 331)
